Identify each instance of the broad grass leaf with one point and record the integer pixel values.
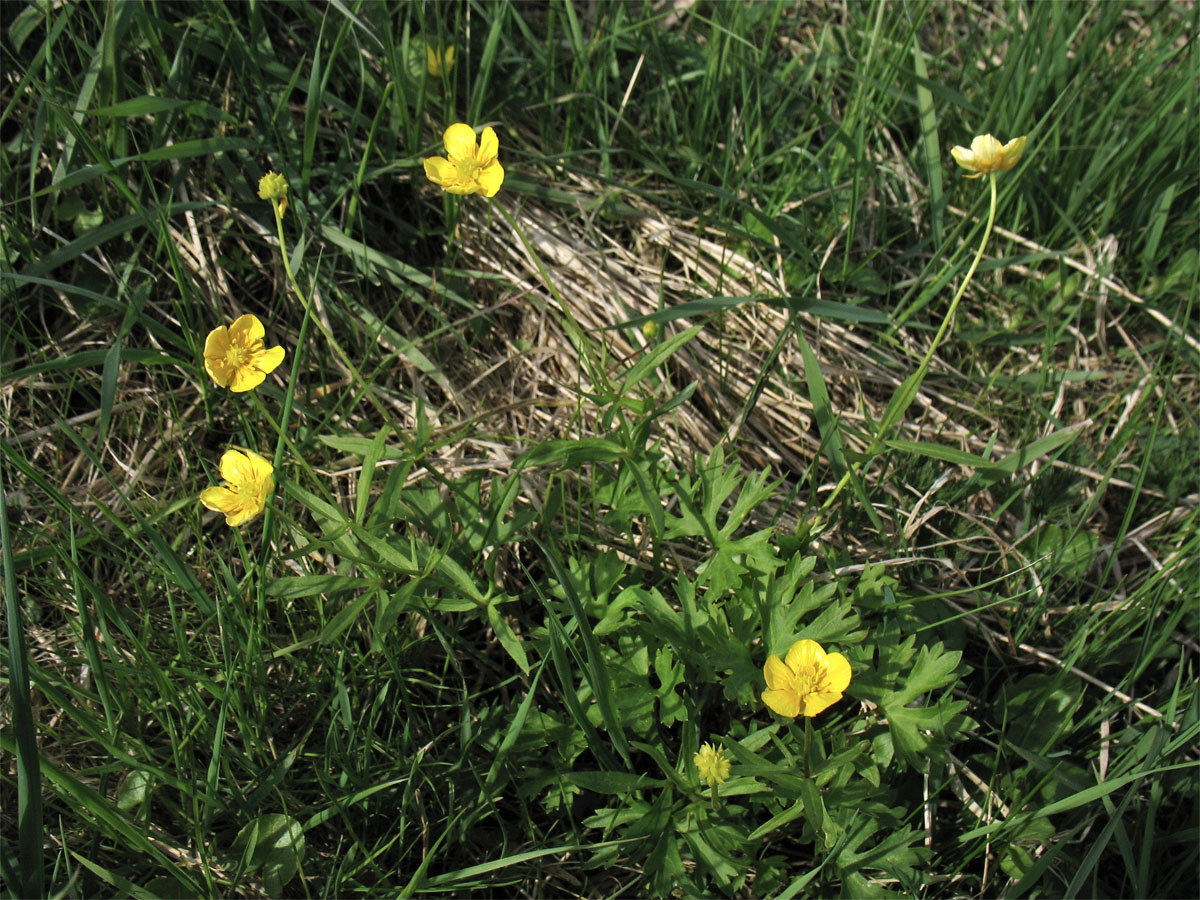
(273, 843)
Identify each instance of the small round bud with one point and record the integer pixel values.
(649, 329)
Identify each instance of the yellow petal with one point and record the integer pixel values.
(219, 499)
(269, 360)
(438, 169)
(804, 654)
(246, 378)
(235, 465)
(986, 148)
(964, 157)
(779, 676)
(1013, 151)
(814, 704)
(460, 141)
(260, 471)
(837, 672)
(217, 341)
(786, 703)
(489, 146)
(218, 371)
(490, 179)
(247, 327)
(216, 345)
(241, 515)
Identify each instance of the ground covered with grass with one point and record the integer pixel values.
(734, 363)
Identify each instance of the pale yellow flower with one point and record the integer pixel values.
(470, 168)
(236, 357)
(712, 764)
(249, 481)
(437, 63)
(988, 155)
(807, 682)
(272, 186)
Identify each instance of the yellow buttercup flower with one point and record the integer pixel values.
(807, 682)
(471, 168)
(236, 357)
(272, 186)
(249, 481)
(988, 155)
(712, 765)
(437, 63)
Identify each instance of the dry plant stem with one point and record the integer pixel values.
(894, 412)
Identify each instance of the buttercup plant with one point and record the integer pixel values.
(468, 167)
(249, 482)
(807, 682)
(236, 357)
(986, 156)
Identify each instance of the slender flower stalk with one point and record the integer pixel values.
(273, 187)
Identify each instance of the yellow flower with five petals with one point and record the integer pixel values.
(807, 682)
(249, 481)
(236, 357)
(712, 765)
(987, 155)
(467, 168)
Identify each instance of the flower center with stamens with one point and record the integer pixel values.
(466, 168)
(808, 681)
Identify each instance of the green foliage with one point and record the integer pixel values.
(518, 567)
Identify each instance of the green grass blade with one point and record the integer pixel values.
(25, 744)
